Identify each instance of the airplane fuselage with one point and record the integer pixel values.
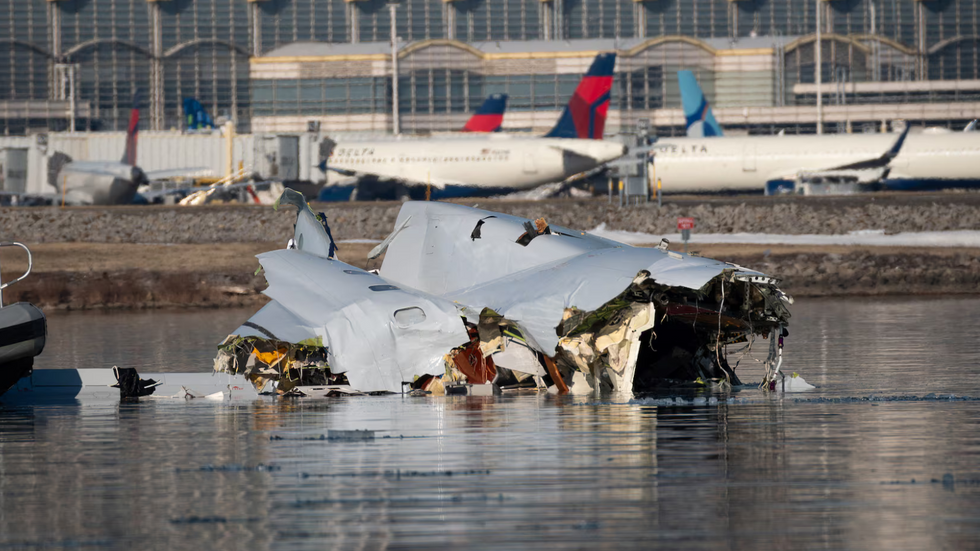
(98, 183)
(747, 163)
(495, 162)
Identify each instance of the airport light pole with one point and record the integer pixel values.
(67, 71)
(819, 69)
(875, 45)
(395, 122)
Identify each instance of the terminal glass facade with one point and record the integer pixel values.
(171, 49)
(321, 96)
(111, 45)
(479, 20)
(205, 56)
(24, 50)
(287, 21)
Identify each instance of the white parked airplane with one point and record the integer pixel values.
(775, 163)
(103, 182)
(492, 163)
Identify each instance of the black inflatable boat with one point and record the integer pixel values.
(23, 331)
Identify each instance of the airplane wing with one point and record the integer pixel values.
(394, 175)
(96, 171)
(200, 196)
(101, 168)
(882, 161)
(119, 170)
(863, 171)
(171, 173)
(399, 176)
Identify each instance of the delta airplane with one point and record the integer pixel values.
(707, 162)
(492, 163)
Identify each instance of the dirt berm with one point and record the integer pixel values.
(126, 257)
(248, 224)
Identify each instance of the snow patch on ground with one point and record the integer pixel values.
(874, 238)
(367, 241)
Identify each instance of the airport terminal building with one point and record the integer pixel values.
(279, 65)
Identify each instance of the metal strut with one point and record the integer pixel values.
(774, 361)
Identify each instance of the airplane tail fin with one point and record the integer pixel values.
(585, 115)
(195, 114)
(971, 127)
(490, 116)
(701, 121)
(129, 156)
(56, 162)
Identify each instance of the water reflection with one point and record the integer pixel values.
(532, 470)
(150, 340)
(487, 473)
(882, 345)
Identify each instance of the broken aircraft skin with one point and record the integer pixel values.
(470, 296)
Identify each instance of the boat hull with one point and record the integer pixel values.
(23, 332)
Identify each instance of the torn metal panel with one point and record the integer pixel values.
(531, 284)
(466, 295)
(437, 252)
(383, 246)
(439, 237)
(536, 298)
(518, 356)
(377, 333)
(533, 274)
(472, 365)
(311, 235)
(275, 322)
(620, 342)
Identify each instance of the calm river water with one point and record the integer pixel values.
(824, 469)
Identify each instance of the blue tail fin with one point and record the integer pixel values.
(701, 121)
(197, 118)
(585, 115)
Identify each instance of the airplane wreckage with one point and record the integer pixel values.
(470, 301)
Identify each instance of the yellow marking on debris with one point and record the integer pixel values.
(270, 358)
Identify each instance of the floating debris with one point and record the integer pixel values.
(472, 302)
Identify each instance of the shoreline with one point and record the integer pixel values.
(109, 276)
(139, 257)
